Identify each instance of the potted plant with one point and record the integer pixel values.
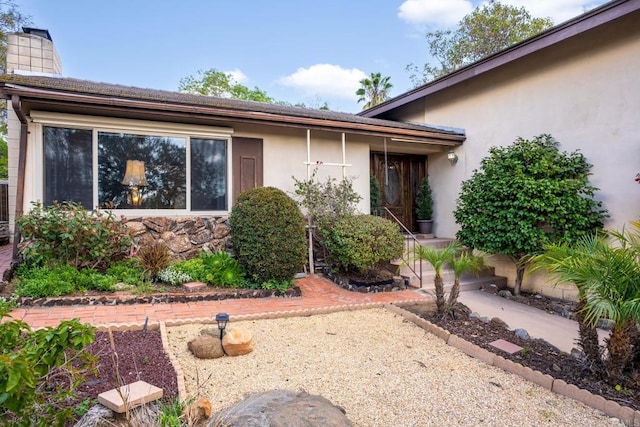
(424, 207)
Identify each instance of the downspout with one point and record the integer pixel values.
(22, 160)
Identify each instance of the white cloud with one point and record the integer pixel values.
(434, 12)
(238, 75)
(326, 80)
(558, 10)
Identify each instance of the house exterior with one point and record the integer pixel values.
(178, 157)
(577, 81)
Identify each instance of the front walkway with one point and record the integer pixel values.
(317, 293)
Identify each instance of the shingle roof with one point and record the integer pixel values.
(85, 87)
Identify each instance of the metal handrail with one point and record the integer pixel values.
(410, 244)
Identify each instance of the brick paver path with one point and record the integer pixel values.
(317, 293)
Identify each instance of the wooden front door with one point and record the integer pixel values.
(399, 179)
(247, 164)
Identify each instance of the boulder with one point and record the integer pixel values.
(283, 408)
(206, 347)
(237, 341)
(198, 411)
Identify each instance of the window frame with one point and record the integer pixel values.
(41, 119)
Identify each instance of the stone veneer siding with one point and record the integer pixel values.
(185, 237)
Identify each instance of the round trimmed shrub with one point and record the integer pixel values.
(268, 234)
(360, 242)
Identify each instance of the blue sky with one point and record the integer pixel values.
(297, 51)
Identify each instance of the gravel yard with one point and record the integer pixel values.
(383, 370)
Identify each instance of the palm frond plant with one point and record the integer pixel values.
(466, 262)
(606, 271)
(439, 259)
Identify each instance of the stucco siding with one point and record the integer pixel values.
(583, 91)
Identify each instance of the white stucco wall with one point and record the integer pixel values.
(584, 92)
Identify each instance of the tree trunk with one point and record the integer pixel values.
(620, 347)
(453, 295)
(520, 269)
(439, 285)
(588, 342)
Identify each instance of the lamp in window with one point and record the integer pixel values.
(135, 179)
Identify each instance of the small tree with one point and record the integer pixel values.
(524, 196)
(424, 201)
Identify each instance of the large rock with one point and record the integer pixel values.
(237, 341)
(283, 408)
(198, 411)
(206, 347)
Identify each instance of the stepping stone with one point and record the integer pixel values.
(507, 346)
(194, 286)
(136, 394)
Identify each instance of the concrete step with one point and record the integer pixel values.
(467, 284)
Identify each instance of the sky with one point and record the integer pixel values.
(297, 51)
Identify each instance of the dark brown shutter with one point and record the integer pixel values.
(247, 164)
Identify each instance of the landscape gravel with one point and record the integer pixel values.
(382, 369)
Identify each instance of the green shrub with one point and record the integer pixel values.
(268, 234)
(69, 234)
(359, 242)
(40, 371)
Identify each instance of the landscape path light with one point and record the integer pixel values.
(222, 319)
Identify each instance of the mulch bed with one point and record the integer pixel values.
(140, 357)
(537, 354)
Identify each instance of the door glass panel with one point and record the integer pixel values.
(392, 186)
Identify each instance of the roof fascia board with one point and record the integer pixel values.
(173, 110)
(599, 16)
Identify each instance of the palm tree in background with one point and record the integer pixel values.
(374, 90)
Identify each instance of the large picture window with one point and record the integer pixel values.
(141, 170)
(163, 171)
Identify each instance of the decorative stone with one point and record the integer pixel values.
(136, 228)
(505, 293)
(97, 415)
(221, 231)
(237, 341)
(198, 411)
(206, 347)
(194, 286)
(156, 224)
(136, 394)
(521, 333)
(281, 408)
(505, 346)
(178, 244)
(201, 237)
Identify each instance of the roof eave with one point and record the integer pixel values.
(578, 25)
(168, 109)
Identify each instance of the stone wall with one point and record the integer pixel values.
(185, 237)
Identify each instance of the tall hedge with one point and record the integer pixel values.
(268, 234)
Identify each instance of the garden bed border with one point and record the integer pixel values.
(161, 298)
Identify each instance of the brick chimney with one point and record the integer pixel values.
(32, 51)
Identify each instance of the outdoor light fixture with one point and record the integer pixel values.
(135, 179)
(452, 157)
(222, 319)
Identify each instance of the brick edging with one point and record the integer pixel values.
(609, 407)
(182, 391)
